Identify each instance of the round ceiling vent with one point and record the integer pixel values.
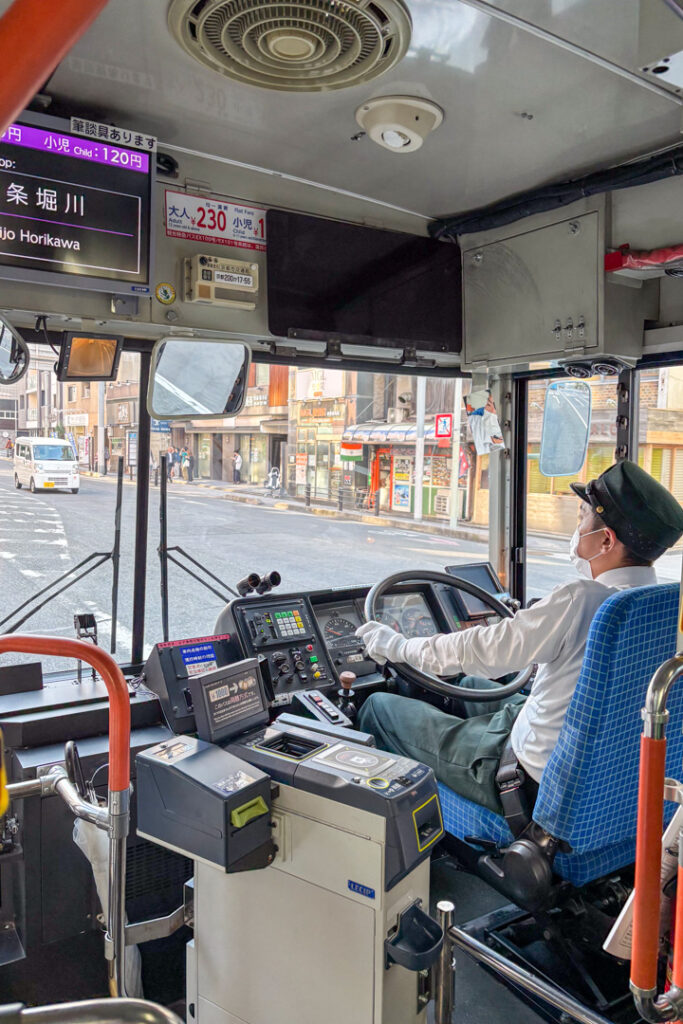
(300, 46)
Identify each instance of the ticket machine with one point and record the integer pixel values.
(338, 914)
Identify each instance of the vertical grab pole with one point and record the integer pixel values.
(116, 555)
(141, 513)
(648, 859)
(119, 776)
(444, 975)
(647, 892)
(163, 544)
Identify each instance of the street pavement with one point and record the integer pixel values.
(44, 535)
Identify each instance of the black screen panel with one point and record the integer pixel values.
(328, 278)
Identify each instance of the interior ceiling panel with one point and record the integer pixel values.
(485, 73)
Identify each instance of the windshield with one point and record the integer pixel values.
(323, 477)
(53, 453)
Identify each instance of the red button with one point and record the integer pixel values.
(309, 647)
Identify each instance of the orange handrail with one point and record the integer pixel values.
(119, 701)
(648, 860)
(34, 37)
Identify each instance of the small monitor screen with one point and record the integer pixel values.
(482, 575)
(229, 701)
(198, 658)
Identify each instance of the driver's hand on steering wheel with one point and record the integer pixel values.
(382, 643)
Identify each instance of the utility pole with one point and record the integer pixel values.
(101, 464)
(455, 463)
(420, 446)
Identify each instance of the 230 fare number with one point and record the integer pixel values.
(218, 221)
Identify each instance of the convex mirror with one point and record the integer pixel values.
(197, 378)
(566, 427)
(14, 355)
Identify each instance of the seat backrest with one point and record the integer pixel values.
(589, 789)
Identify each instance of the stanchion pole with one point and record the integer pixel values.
(444, 969)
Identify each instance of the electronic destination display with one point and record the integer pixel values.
(74, 207)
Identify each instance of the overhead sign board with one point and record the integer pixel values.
(74, 207)
(215, 220)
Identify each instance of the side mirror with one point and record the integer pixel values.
(566, 428)
(14, 354)
(197, 378)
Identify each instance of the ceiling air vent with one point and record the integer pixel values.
(301, 46)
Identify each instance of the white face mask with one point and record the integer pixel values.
(582, 565)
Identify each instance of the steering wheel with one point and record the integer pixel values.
(434, 683)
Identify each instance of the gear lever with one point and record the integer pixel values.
(346, 696)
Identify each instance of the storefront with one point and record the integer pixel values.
(389, 468)
(319, 432)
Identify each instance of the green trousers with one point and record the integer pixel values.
(464, 752)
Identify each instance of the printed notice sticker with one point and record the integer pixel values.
(232, 783)
(212, 220)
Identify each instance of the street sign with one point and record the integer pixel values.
(161, 426)
(132, 441)
(301, 462)
(443, 426)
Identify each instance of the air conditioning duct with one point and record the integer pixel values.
(537, 291)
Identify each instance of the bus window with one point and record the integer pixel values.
(342, 442)
(659, 396)
(57, 504)
(551, 505)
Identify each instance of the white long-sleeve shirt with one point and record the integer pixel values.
(552, 633)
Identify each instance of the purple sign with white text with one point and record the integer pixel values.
(74, 146)
(74, 206)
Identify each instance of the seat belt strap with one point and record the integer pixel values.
(510, 779)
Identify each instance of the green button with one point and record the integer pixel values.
(313, 659)
(241, 816)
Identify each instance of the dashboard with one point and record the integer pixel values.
(307, 640)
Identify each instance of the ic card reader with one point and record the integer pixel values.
(341, 914)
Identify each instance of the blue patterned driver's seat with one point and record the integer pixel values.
(589, 789)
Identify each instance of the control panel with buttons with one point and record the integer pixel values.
(284, 634)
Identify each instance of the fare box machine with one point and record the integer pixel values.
(339, 916)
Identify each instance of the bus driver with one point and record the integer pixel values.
(626, 521)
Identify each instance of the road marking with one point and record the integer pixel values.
(31, 574)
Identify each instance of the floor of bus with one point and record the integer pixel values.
(480, 996)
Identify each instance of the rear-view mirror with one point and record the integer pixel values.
(14, 355)
(566, 428)
(197, 378)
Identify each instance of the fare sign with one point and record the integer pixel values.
(74, 206)
(216, 221)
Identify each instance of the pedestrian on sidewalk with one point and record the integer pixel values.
(190, 467)
(176, 462)
(236, 468)
(169, 465)
(184, 463)
(273, 481)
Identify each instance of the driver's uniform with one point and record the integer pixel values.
(465, 752)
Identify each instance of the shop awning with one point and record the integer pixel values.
(386, 433)
(276, 425)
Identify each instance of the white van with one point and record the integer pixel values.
(43, 463)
